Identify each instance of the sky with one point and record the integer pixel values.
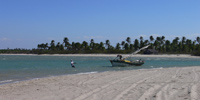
(27, 23)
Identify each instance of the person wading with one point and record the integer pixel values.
(72, 63)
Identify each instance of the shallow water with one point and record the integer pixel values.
(24, 67)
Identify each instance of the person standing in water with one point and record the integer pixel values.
(72, 63)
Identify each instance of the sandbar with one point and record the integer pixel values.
(181, 83)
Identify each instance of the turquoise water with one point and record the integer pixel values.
(25, 67)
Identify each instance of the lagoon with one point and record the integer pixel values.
(15, 68)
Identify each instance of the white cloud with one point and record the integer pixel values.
(155, 35)
(93, 37)
(147, 36)
(144, 36)
(4, 39)
(193, 36)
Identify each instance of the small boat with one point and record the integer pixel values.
(122, 62)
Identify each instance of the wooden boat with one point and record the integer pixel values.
(122, 62)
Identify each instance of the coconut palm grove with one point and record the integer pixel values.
(158, 44)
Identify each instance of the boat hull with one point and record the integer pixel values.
(122, 63)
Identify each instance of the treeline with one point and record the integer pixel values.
(16, 51)
(160, 44)
(176, 46)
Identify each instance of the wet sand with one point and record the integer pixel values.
(147, 84)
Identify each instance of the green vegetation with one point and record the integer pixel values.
(176, 46)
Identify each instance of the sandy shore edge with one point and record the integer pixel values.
(147, 84)
(114, 55)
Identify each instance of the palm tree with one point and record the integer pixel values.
(128, 40)
(58, 46)
(46, 46)
(84, 45)
(61, 47)
(146, 42)
(92, 44)
(73, 46)
(117, 46)
(156, 44)
(52, 45)
(136, 44)
(162, 44)
(101, 46)
(39, 46)
(123, 43)
(151, 39)
(66, 42)
(159, 39)
(168, 47)
(126, 46)
(141, 42)
(175, 44)
(177, 38)
(198, 39)
(183, 40)
(131, 47)
(197, 45)
(182, 47)
(108, 44)
(189, 44)
(77, 46)
(162, 40)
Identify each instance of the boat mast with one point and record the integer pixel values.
(138, 51)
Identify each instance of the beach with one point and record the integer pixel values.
(112, 55)
(181, 83)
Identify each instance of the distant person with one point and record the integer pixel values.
(120, 57)
(72, 63)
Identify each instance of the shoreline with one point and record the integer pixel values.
(113, 55)
(166, 83)
(4, 82)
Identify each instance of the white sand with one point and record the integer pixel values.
(147, 84)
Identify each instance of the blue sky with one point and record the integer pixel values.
(27, 23)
